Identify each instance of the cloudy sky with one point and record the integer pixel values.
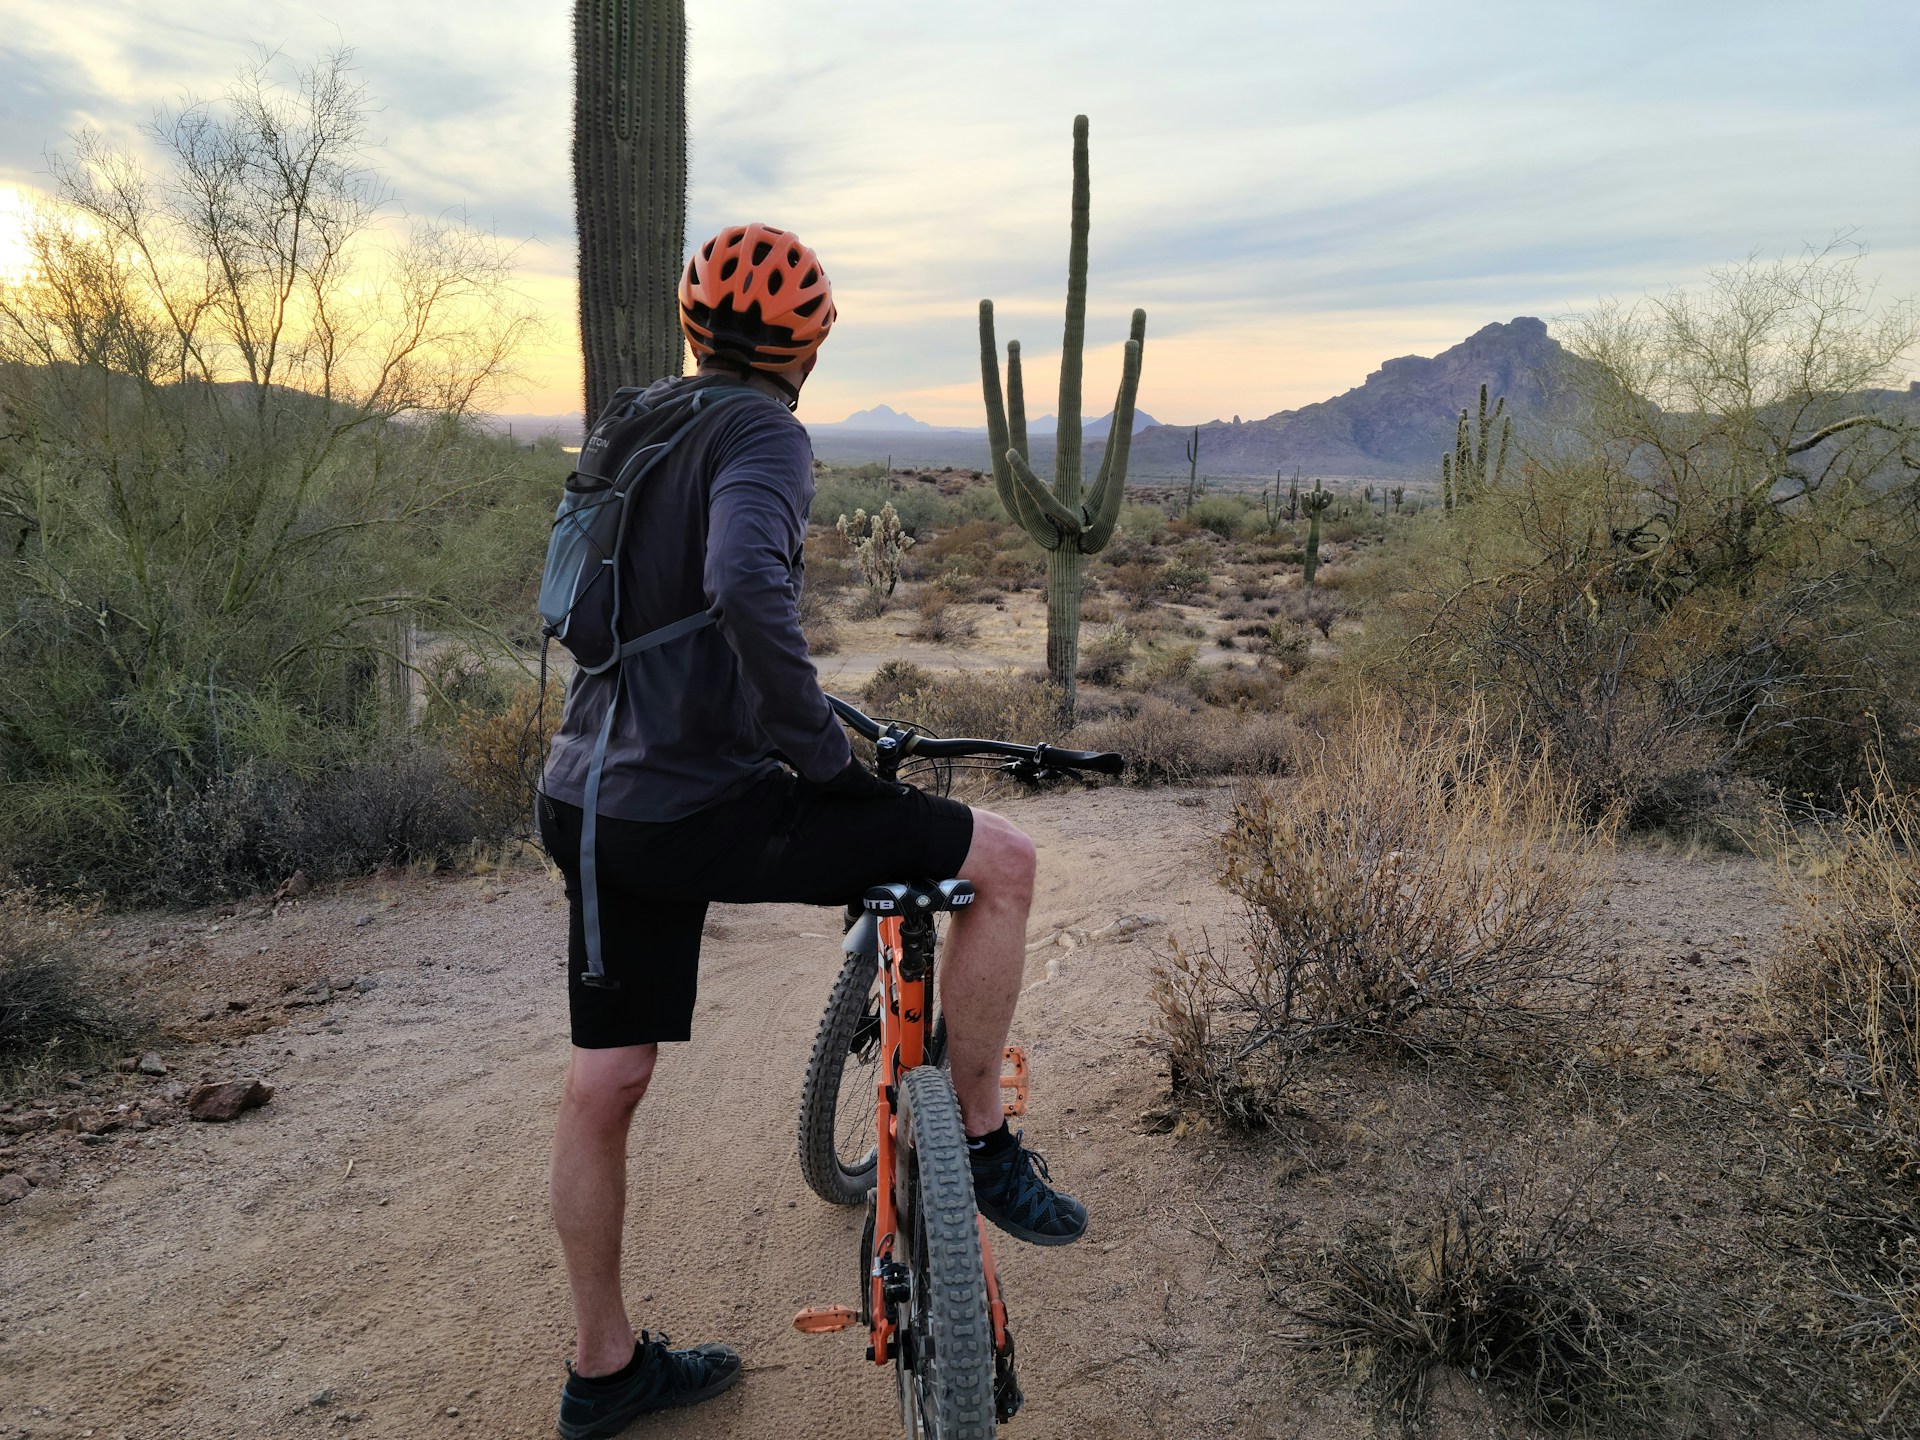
(1294, 191)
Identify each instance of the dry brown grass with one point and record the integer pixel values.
(59, 1005)
(1417, 887)
(1576, 1329)
(1168, 741)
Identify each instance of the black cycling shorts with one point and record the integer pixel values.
(782, 840)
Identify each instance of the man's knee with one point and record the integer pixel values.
(1002, 860)
(609, 1083)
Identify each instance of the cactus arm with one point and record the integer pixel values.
(1500, 461)
(1033, 492)
(1066, 454)
(998, 443)
(1016, 401)
(1109, 490)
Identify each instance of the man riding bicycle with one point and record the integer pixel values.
(725, 776)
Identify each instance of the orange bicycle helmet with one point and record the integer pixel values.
(757, 297)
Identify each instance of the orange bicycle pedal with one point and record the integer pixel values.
(1017, 1081)
(824, 1319)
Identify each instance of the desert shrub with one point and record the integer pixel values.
(231, 522)
(1162, 665)
(1287, 644)
(1012, 705)
(816, 618)
(1716, 558)
(1167, 742)
(1419, 888)
(1223, 515)
(1575, 1328)
(1139, 582)
(1313, 607)
(59, 1005)
(1256, 688)
(1182, 579)
(1846, 989)
(1104, 657)
(404, 806)
(936, 621)
(497, 753)
(870, 604)
(1143, 524)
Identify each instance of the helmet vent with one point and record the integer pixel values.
(762, 250)
(707, 252)
(732, 264)
(805, 310)
(793, 256)
(774, 277)
(812, 275)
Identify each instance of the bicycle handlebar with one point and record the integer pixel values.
(1047, 757)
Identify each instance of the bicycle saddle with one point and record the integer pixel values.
(902, 898)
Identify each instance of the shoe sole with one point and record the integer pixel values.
(610, 1425)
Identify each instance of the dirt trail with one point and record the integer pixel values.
(370, 1254)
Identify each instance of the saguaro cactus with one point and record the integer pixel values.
(1315, 503)
(1193, 467)
(1067, 527)
(629, 188)
(1466, 472)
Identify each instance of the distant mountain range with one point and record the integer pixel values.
(1395, 425)
(885, 420)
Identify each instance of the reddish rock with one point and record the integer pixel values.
(12, 1188)
(224, 1100)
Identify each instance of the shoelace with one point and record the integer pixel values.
(1029, 1193)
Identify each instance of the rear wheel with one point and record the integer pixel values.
(944, 1349)
(841, 1091)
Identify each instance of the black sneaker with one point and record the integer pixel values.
(658, 1379)
(1011, 1190)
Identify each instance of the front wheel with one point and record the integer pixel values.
(944, 1345)
(842, 1089)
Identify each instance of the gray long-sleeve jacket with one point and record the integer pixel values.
(718, 527)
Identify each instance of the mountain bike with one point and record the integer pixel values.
(879, 1122)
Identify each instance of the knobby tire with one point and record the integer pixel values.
(945, 1368)
(838, 1096)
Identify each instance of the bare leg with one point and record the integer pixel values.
(980, 973)
(589, 1189)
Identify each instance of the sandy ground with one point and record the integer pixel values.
(369, 1255)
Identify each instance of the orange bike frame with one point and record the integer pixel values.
(904, 1027)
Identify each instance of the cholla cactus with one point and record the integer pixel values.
(878, 542)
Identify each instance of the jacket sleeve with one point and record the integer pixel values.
(756, 522)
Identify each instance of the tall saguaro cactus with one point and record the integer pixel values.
(1467, 471)
(629, 188)
(1063, 523)
(1193, 467)
(1315, 503)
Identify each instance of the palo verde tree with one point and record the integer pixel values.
(235, 481)
(1714, 569)
(629, 188)
(1063, 523)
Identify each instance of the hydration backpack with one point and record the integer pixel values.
(580, 599)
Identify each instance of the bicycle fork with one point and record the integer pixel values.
(906, 969)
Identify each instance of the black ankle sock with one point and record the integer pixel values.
(624, 1373)
(994, 1142)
